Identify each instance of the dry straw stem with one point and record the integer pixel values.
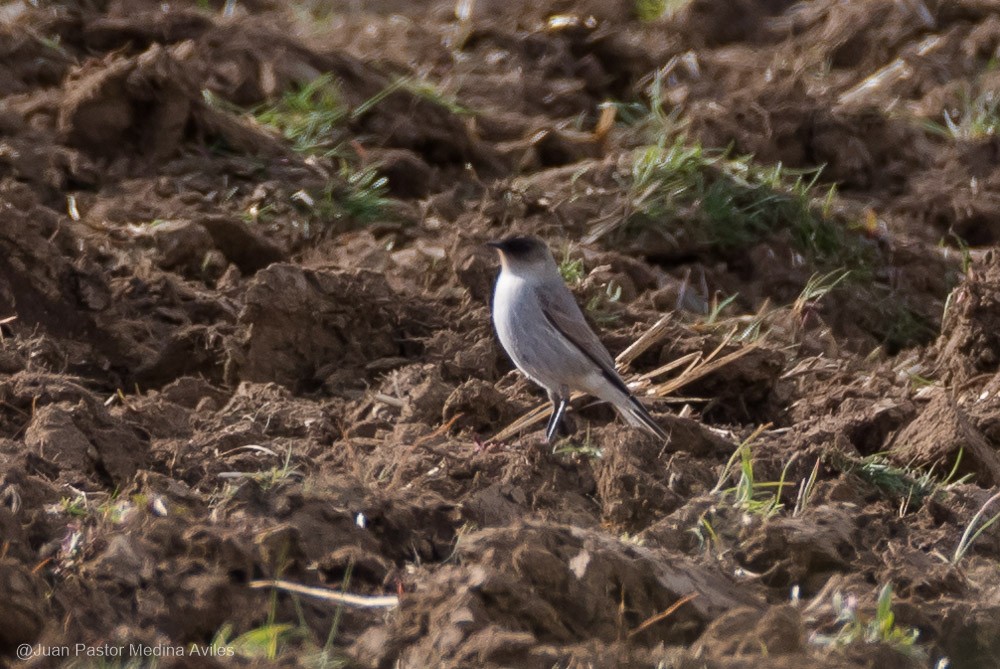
(649, 622)
(969, 536)
(358, 601)
(876, 83)
(5, 321)
(697, 366)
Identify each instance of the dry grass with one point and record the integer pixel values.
(695, 366)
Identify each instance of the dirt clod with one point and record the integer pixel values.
(969, 334)
(24, 614)
(82, 439)
(301, 327)
(939, 433)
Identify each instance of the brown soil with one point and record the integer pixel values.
(205, 382)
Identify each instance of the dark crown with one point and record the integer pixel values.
(519, 247)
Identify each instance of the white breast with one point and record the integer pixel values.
(505, 297)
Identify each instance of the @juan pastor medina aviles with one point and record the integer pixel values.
(127, 650)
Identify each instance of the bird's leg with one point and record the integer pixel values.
(557, 415)
(559, 405)
(550, 426)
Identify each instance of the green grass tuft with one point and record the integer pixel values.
(710, 202)
(879, 629)
(311, 118)
(366, 199)
(571, 269)
(712, 199)
(970, 534)
(750, 495)
(978, 118)
(908, 486)
(587, 449)
(650, 10)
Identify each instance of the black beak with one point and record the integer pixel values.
(499, 246)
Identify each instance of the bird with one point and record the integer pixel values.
(540, 326)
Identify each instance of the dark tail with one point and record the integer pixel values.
(635, 414)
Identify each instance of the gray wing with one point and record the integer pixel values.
(563, 313)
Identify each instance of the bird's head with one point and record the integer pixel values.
(524, 256)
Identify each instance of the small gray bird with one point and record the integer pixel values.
(543, 331)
